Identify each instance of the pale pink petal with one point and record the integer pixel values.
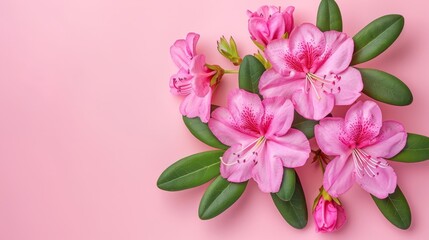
(247, 111)
(181, 83)
(222, 124)
(281, 59)
(276, 26)
(307, 43)
(201, 76)
(268, 172)
(183, 51)
(362, 124)
(327, 134)
(232, 168)
(338, 52)
(349, 87)
(310, 106)
(339, 175)
(380, 185)
(278, 118)
(292, 149)
(195, 106)
(272, 84)
(390, 141)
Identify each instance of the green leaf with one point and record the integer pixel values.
(219, 196)
(416, 149)
(191, 171)
(329, 16)
(202, 132)
(376, 37)
(304, 125)
(249, 74)
(293, 211)
(288, 185)
(385, 88)
(395, 208)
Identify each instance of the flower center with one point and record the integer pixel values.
(321, 84)
(248, 153)
(365, 164)
(182, 82)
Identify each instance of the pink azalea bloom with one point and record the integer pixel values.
(312, 69)
(269, 23)
(192, 79)
(261, 139)
(361, 143)
(328, 216)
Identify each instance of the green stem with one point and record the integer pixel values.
(230, 71)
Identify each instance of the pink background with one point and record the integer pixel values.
(87, 121)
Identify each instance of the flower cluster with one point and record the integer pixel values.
(288, 90)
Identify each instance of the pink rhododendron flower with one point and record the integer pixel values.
(192, 79)
(361, 143)
(312, 69)
(261, 139)
(328, 215)
(269, 23)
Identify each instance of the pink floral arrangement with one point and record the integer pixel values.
(287, 91)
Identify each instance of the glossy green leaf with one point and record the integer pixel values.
(385, 88)
(219, 196)
(293, 211)
(191, 171)
(304, 125)
(416, 149)
(395, 208)
(288, 185)
(250, 72)
(376, 37)
(329, 16)
(202, 132)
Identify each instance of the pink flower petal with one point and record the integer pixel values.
(259, 31)
(339, 175)
(278, 117)
(308, 43)
(310, 106)
(389, 142)
(180, 83)
(293, 149)
(362, 124)
(338, 52)
(273, 84)
(183, 50)
(233, 169)
(247, 111)
(222, 124)
(282, 61)
(195, 106)
(276, 26)
(288, 17)
(349, 87)
(327, 134)
(201, 76)
(380, 185)
(268, 172)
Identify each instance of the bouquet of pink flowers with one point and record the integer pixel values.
(287, 91)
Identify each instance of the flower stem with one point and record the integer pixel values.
(230, 71)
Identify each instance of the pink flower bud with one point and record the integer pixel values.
(269, 23)
(328, 215)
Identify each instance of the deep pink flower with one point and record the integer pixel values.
(328, 215)
(312, 69)
(361, 143)
(192, 79)
(269, 23)
(261, 139)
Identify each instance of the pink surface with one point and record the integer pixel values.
(88, 124)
